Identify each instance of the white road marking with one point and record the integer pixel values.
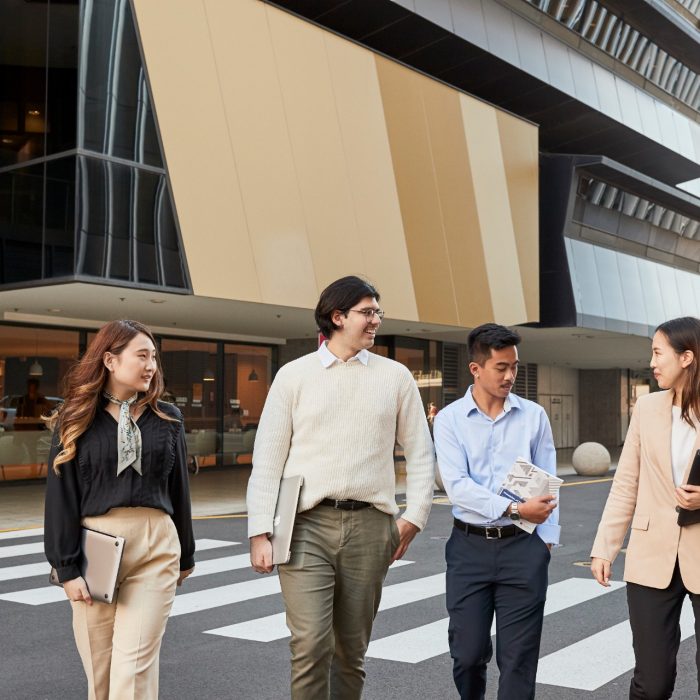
(273, 627)
(427, 641)
(16, 534)
(596, 660)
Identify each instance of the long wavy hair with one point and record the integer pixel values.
(86, 380)
(683, 334)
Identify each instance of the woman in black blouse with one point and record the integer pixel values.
(118, 465)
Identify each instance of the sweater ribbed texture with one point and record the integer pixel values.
(337, 428)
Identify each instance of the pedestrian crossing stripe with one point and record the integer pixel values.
(587, 664)
(596, 660)
(20, 550)
(427, 641)
(274, 627)
(53, 594)
(17, 534)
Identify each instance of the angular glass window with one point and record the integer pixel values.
(114, 104)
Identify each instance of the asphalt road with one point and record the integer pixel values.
(583, 636)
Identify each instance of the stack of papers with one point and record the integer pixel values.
(524, 481)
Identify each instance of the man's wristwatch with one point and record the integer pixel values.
(514, 512)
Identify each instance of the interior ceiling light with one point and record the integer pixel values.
(33, 112)
(209, 376)
(36, 370)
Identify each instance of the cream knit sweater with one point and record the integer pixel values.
(337, 427)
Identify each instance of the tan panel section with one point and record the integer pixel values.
(519, 144)
(370, 173)
(419, 196)
(457, 204)
(205, 190)
(258, 134)
(493, 210)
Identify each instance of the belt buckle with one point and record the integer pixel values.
(343, 504)
(493, 528)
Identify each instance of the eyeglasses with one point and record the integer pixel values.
(369, 313)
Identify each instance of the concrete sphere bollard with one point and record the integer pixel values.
(591, 459)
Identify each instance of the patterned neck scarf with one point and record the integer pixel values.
(128, 435)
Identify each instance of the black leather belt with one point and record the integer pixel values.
(347, 504)
(491, 532)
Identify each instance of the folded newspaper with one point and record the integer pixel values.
(525, 480)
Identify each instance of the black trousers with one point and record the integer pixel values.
(656, 635)
(507, 577)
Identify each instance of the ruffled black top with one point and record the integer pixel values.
(89, 485)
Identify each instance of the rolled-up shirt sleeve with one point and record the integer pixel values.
(62, 516)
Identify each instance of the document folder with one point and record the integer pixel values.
(102, 555)
(691, 517)
(285, 515)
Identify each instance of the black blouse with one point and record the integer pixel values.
(89, 485)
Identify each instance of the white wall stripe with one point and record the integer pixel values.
(427, 641)
(16, 534)
(600, 658)
(274, 627)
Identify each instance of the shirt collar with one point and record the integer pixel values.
(512, 401)
(328, 359)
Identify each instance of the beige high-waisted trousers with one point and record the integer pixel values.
(119, 644)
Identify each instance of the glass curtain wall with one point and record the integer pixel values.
(83, 189)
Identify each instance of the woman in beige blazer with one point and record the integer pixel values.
(662, 564)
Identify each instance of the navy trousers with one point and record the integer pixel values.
(507, 577)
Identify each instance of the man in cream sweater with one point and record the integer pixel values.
(334, 416)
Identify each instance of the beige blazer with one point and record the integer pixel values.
(642, 494)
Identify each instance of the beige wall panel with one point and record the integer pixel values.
(418, 191)
(370, 173)
(493, 210)
(192, 125)
(317, 147)
(519, 144)
(458, 204)
(259, 138)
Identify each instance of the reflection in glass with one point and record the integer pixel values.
(33, 362)
(38, 80)
(113, 95)
(247, 378)
(126, 227)
(188, 366)
(21, 214)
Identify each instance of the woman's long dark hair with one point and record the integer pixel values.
(85, 381)
(683, 334)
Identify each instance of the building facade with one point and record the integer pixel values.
(209, 167)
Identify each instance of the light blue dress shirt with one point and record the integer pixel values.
(476, 452)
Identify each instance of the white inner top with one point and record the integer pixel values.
(682, 442)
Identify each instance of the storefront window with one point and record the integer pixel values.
(421, 357)
(189, 371)
(33, 362)
(247, 378)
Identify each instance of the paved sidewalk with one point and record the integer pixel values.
(214, 492)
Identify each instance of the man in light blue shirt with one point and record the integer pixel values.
(493, 566)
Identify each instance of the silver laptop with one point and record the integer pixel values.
(285, 515)
(102, 555)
